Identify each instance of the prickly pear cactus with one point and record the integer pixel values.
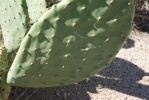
(4, 88)
(70, 42)
(35, 9)
(13, 22)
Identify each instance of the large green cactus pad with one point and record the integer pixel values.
(72, 41)
(35, 9)
(13, 22)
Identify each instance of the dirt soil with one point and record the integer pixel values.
(126, 78)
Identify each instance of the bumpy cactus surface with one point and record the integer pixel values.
(71, 41)
(13, 20)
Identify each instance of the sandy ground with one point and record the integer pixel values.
(126, 78)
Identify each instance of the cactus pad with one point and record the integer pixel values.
(35, 9)
(72, 41)
(13, 22)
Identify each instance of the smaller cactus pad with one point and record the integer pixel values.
(13, 22)
(35, 9)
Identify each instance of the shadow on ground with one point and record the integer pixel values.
(129, 44)
(141, 19)
(120, 75)
(142, 23)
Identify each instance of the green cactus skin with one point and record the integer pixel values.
(70, 42)
(35, 9)
(4, 88)
(1, 36)
(13, 22)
